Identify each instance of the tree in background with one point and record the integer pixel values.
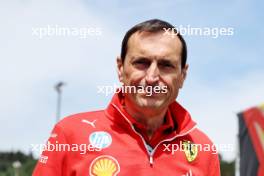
(7, 160)
(227, 168)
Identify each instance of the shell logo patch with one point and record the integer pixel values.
(100, 139)
(190, 150)
(104, 165)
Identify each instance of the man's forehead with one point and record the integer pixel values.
(145, 35)
(154, 44)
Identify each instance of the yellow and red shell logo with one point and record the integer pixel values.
(104, 165)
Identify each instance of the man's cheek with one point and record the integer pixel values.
(135, 81)
(176, 83)
(171, 90)
(164, 89)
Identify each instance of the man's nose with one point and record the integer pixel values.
(152, 76)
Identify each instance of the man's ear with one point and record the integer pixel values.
(120, 68)
(184, 74)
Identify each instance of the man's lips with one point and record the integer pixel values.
(151, 94)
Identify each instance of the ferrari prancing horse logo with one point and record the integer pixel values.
(190, 150)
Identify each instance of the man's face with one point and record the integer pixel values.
(152, 59)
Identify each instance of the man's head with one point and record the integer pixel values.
(150, 58)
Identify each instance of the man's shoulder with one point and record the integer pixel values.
(204, 144)
(74, 120)
(200, 137)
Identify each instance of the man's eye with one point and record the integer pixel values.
(141, 63)
(166, 65)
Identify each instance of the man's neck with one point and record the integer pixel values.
(152, 121)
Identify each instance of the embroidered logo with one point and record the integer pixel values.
(89, 123)
(43, 159)
(190, 150)
(100, 139)
(104, 165)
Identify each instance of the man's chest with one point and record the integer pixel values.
(108, 152)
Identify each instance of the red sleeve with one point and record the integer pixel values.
(214, 169)
(51, 160)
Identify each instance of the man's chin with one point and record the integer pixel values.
(150, 103)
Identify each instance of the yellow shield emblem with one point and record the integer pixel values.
(190, 150)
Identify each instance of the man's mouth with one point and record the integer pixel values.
(150, 91)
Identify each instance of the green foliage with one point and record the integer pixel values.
(8, 158)
(227, 168)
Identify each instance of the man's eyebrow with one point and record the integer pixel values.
(166, 60)
(139, 58)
